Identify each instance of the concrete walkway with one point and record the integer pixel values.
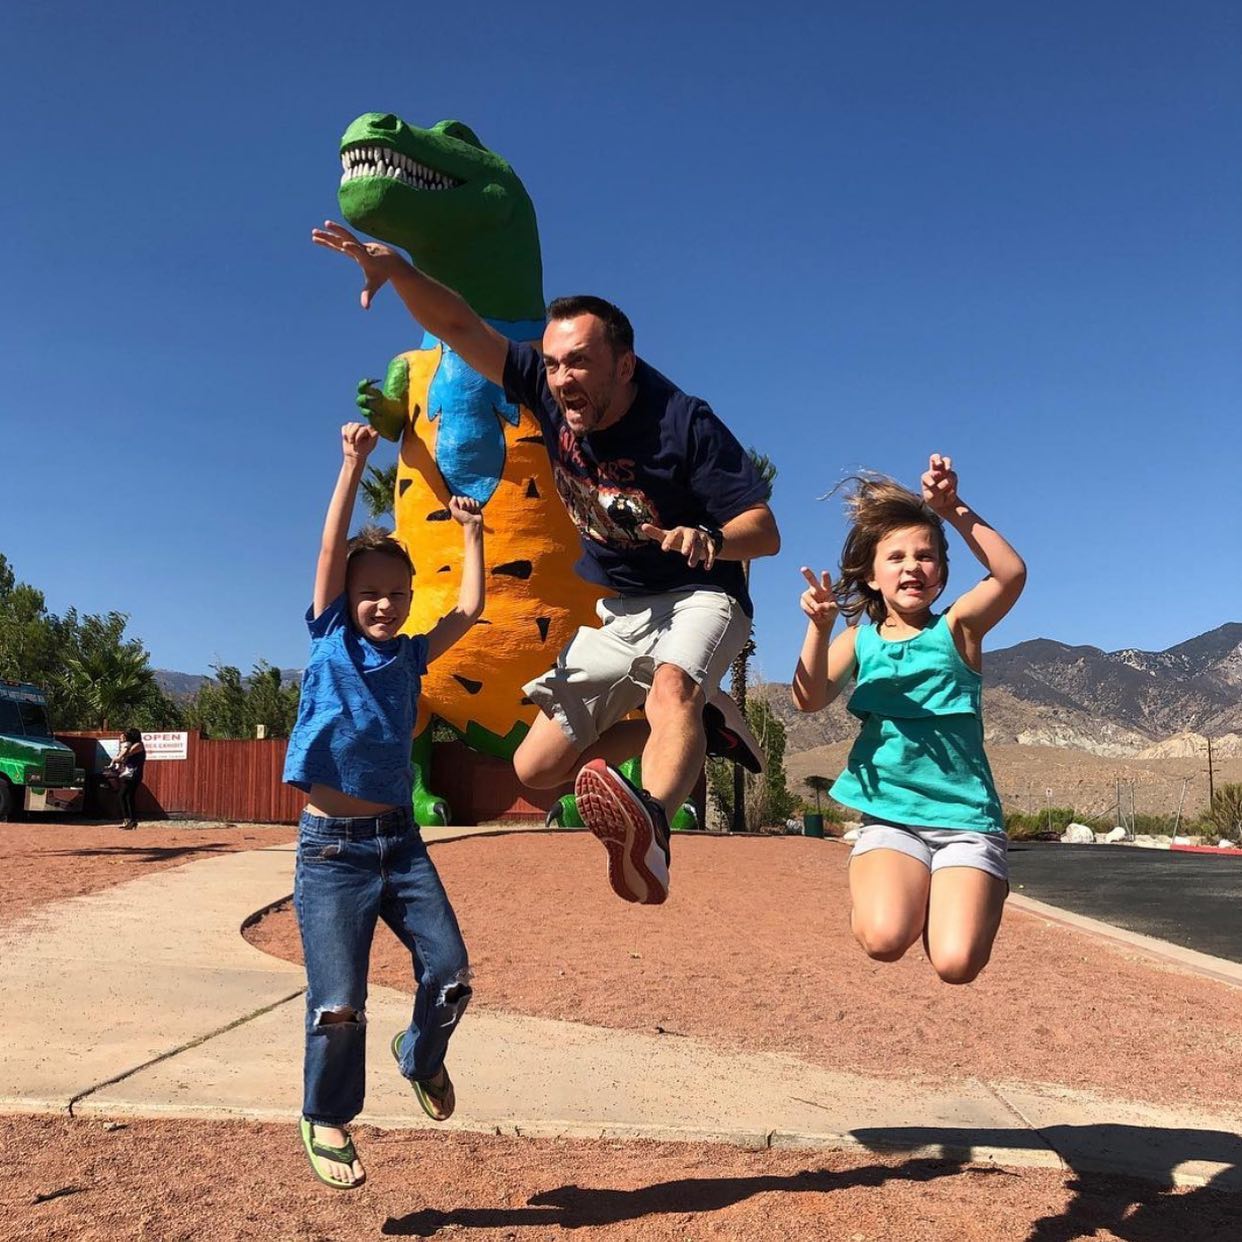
(144, 1000)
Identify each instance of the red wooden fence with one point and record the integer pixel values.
(241, 781)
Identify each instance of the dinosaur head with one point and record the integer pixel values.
(455, 205)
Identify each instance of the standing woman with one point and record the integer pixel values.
(130, 761)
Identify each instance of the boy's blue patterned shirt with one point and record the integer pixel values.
(356, 714)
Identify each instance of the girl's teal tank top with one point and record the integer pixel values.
(919, 759)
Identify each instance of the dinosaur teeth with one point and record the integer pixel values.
(378, 161)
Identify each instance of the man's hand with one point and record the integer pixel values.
(817, 600)
(940, 485)
(357, 441)
(688, 541)
(466, 512)
(376, 260)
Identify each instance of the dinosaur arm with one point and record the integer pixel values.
(447, 315)
(385, 408)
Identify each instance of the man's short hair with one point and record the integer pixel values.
(617, 328)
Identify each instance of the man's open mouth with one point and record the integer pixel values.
(373, 160)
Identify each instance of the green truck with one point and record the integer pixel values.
(37, 773)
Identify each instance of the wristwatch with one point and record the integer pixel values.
(715, 534)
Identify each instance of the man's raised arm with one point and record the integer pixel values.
(441, 311)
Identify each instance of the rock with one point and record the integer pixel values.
(852, 832)
(1116, 834)
(1185, 841)
(1078, 834)
(1225, 844)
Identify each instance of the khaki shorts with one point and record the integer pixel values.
(604, 674)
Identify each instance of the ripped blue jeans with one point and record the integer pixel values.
(349, 873)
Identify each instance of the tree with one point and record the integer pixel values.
(94, 677)
(270, 702)
(219, 707)
(108, 676)
(32, 640)
(766, 798)
(231, 706)
(739, 670)
(818, 785)
(1225, 811)
(379, 490)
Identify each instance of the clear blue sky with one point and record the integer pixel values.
(863, 231)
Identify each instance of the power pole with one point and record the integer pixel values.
(1180, 801)
(1211, 781)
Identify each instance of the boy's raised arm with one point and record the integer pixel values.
(438, 308)
(357, 441)
(453, 625)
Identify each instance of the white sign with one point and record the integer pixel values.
(166, 745)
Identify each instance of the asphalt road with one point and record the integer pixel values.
(1194, 900)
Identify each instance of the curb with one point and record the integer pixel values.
(879, 1141)
(1219, 969)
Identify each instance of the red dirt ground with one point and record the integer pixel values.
(167, 1181)
(45, 860)
(752, 951)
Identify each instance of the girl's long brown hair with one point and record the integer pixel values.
(876, 506)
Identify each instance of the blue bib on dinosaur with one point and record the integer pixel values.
(470, 443)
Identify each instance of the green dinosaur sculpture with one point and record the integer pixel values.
(465, 218)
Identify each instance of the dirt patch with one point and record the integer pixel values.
(153, 1179)
(46, 860)
(753, 952)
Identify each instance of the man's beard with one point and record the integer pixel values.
(593, 412)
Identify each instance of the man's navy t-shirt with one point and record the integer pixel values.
(669, 461)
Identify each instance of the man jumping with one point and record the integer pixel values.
(667, 504)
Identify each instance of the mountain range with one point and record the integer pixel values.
(185, 685)
(1046, 693)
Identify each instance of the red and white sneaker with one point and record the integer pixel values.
(633, 829)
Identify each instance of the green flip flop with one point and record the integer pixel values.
(437, 1102)
(317, 1153)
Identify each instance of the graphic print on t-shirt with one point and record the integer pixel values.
(597, 499)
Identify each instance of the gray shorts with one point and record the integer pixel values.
(938, 847)
(604, 673)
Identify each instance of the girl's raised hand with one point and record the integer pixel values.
(357, 440)
(940, 484)
(817, 600)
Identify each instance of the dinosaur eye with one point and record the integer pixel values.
(463, 133)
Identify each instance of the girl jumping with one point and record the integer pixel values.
(930, 861)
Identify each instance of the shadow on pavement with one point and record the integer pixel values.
(1132, 1209)
(574, 1207)
(1135, 1208)
(143, 853)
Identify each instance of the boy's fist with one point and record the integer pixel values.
(357, 440)
(466, 512)
(940, 484)
(817, 600)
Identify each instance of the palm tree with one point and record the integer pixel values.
(108, 676)
(379, 490)
(739, 671)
